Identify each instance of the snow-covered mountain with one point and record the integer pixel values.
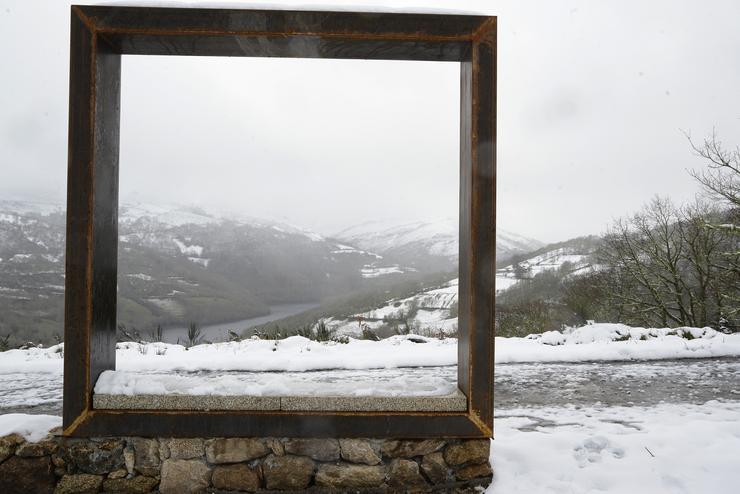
(427, 242)
(179, 264)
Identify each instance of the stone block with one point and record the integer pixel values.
(468, 451)
(8, 445)
(405, 474)
(27, 475)
(182, 449)
(287, 472)
(318, 449)
(474, 471)
(134, 485)
(358, 451)
(146, 454)
(434, 467)
(95, 457)
(349, 476)
(239, 477)
(83, 483)
(410, 448)
(45, 447)
(184, 477)
(235, 450)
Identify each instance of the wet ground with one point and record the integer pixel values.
(516, 385)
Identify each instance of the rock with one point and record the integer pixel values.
(287, 472)
(184, 477)
(474, 471)
(58, 461)
(348, 476)
(275, 446)
(236, 478)
(146, 453)
(129, 458)
(182, 449)
(97, 458)
(468, 451)
(434, 467)
(8, 445)
(42, 448)
(405, 474)
(358, 451)
(27, 475)
(235, 450)
(318, 449)
(410, 448)
(134, 485)
(83, 483)
(118, 474)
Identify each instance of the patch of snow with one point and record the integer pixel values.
(369, 271)
(347, 249)
(140, 276)
(504, 282)
(612, 342)
(190, 250)
(32, 427)
(168, 305)
(665, 449)
(200, 260)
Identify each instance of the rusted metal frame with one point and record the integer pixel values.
(482, 226)
(92, 226)
(360, 25)
(148, 423)
(92, 236)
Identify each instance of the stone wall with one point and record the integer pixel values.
(179, 466)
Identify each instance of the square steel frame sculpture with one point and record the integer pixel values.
(100, 35)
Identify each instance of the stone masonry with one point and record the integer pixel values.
(222, 465)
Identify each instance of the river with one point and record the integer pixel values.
(220, 332)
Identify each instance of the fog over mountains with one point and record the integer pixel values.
(179, 264)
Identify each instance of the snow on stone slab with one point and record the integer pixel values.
(665, 449)
(32, 427)
(429, 381)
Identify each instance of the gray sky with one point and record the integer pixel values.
(592, 99)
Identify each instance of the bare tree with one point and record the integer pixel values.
(663, 266)
(721, 177)
(721, 181)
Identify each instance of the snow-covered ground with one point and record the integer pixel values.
(664, 449)
(31, 427)
(596, 342)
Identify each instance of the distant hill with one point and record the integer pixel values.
(427, 244)
(179, 264)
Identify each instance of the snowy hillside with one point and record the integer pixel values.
(570, 258)
(435, 239)
(430, 312)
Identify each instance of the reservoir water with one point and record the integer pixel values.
(220, 332)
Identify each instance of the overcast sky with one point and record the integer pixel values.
(593, 96)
